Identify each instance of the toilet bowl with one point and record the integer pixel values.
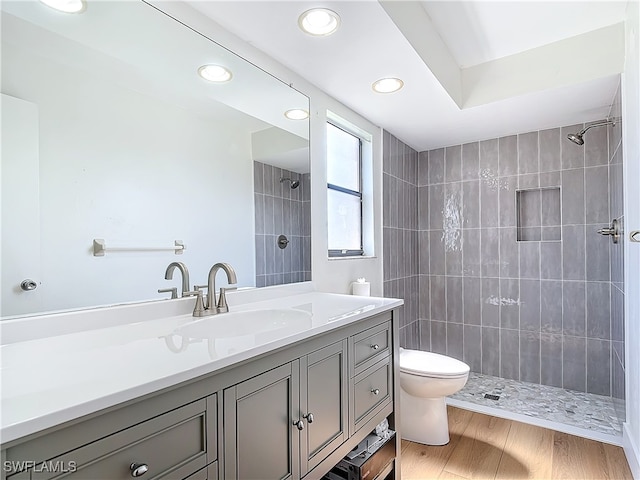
(425, 380)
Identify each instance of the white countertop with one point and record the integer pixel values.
(53, 379)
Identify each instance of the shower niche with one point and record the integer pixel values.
(538, 214)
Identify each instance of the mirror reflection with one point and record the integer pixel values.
(110, 134)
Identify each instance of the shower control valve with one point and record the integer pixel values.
(613, 230)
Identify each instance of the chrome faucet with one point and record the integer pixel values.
(168, 275)
(212, 307)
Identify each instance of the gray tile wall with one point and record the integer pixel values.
(279, 209)
(615, 155)
(400, 230)
(537, 311)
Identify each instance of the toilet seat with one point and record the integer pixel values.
(434, 365)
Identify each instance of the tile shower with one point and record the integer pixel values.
(280, 209)
(501, 265)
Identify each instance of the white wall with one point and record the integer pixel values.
(631, 145)
(328, 275)
(100, 171)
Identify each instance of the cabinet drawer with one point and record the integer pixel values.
(371, 390)
(370, 347)
(210, 472)
(172, 445)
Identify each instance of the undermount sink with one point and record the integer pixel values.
(227, 333)
(252, 322)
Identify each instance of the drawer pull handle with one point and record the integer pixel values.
(375, 391)
(299, 424)
(375, 346)
(309, 417)
(138, 469)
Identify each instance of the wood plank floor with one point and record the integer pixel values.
(485, 447)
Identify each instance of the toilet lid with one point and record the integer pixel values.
(428, 364)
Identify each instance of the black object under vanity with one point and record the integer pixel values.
(371, 459)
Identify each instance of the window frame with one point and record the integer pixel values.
(337, 253)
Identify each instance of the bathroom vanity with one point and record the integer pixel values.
(282, 386)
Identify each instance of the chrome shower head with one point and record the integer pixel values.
(294, 183)
(576, 138)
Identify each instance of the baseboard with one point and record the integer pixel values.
(539, 422)
(631, 451)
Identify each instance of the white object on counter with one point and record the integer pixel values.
(361, 288)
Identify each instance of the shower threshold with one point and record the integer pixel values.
(583, 414)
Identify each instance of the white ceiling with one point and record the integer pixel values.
(478, 32)
(444, 54)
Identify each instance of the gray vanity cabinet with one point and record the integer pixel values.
(260, 440)
(371, 373)
(163, 438)
(323, 403)
(142, 449)
(292, 413)
(284, 422)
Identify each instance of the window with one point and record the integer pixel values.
(344, 192)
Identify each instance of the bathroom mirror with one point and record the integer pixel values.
(116, 154)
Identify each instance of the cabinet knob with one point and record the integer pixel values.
(138, 469)
(375, 391)
(375, 346)
(27, 285)
(299, 424)
(309, 417)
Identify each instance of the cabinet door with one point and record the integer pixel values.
(323, 403)
(260, 439)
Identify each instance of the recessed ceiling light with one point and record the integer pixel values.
(319, 21)
(387, 85)
(296, 114)
(215, 73)
(66, 6)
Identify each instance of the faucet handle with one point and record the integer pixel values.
(198, 310)
(173, 291)
(198, 288)
(222, 306)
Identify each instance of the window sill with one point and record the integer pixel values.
(358, 257)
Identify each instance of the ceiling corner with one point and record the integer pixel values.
(589, 56)
(416, 26)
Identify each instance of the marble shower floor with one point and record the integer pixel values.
(577, 409)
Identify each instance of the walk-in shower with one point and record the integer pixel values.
(511, 275)
(578, 138)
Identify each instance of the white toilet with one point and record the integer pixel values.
(425, 379)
